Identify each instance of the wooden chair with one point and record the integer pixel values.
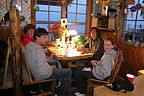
(6, 84)
(32, 81)
(91, 83)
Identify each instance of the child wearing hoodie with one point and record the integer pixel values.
(100, 69)
(39, 66)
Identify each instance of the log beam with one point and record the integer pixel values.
(14, 24)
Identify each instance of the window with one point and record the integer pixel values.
(133, 32)
(47, 15)
(76, 16)
(75, 12)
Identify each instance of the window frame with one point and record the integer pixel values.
(64, 15)
(124, 25)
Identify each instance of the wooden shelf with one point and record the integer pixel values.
(106, 29)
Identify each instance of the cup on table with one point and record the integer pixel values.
(130, 77)
(78, 48)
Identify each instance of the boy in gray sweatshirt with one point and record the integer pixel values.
(39, 67)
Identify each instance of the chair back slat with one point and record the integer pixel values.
(115, 70)
(25, 62)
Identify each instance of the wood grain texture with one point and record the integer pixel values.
(5, 33)
(133, 59)
(14, 25)
(105, 34)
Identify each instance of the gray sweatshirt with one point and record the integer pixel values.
(104, 68)
(37, 61)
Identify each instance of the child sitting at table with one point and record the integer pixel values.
(100, 69)
(29, 32)
(94, 44)
(39, 67)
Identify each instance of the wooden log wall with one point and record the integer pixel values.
(5, 33)
(106, 33)
(134, 59)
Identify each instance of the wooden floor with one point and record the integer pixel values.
(28, 92)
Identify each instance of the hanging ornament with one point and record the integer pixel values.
(104, 2)
(36, 7)
(5, 17)
(122, 38)
(138, 6)
(126, 11)
(131, 14)
(130, 2)
(133, 9)
(22, 18)
(96, 1)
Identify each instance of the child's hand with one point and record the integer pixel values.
(45, 50)
(93, 62)
(92, 50)
(85, 50)
(51, 55)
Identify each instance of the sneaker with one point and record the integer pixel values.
(79, 94)
(59, 83)
(86, 69)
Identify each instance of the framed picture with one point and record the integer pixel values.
(64, 21)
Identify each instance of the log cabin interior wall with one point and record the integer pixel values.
(133, 56)
(5, 33)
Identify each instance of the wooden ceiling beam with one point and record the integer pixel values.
(54, 2)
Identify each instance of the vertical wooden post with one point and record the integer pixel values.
(14, 24)
(120, 21)
(89, 16)
(32, 12)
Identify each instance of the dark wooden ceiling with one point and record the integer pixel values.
(54, 2)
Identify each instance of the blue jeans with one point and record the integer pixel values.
(80, 78)
(65, 75)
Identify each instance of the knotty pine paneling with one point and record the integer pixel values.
(5, 33)
(133, 59)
